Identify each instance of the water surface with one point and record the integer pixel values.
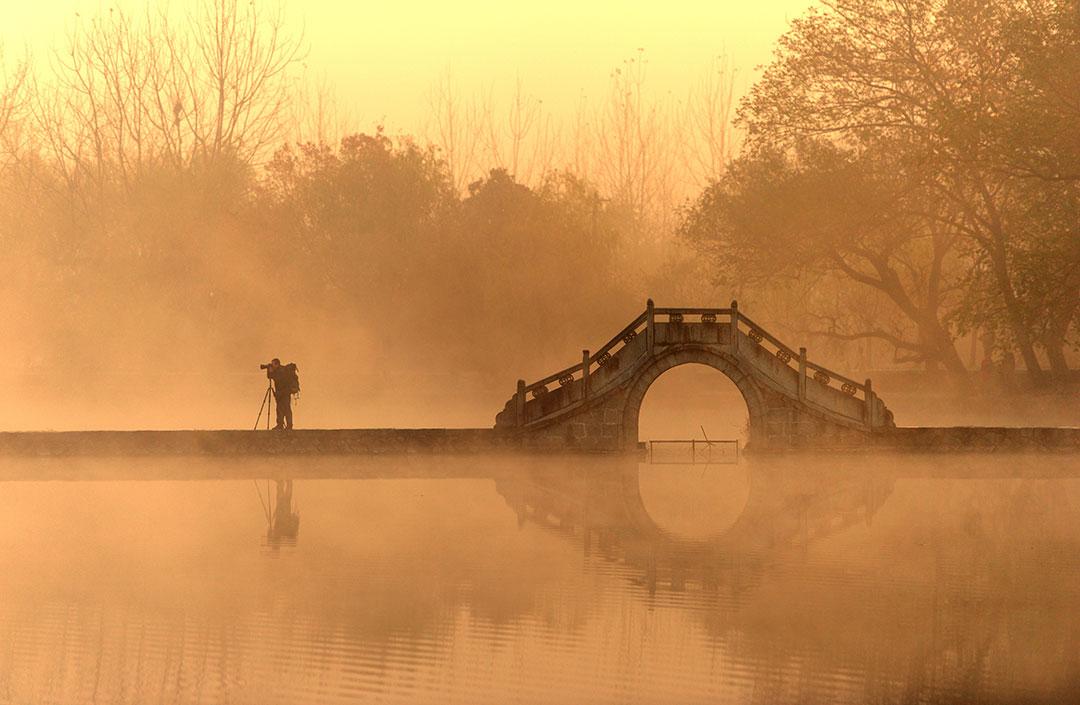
(412, 580)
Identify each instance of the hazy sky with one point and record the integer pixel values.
(383, 57)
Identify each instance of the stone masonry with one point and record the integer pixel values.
(596, 404)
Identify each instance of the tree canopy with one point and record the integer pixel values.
(890, 145)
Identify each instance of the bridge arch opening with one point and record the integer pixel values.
(689, 397)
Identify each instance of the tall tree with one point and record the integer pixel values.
(853, 219)
(932, 76)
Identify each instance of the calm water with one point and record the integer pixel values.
(933, 579)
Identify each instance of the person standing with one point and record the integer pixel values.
(286, 383)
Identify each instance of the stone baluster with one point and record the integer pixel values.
(584, 374)
(735, 326)
(802, 374)
(650, 326)
(869, 411)
(519, 403)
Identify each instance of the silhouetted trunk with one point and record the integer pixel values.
(1013, 310)
(1059, 366)
(936, 337)
(1054, 340)
(999, 261)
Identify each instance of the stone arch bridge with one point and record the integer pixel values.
(792, 402)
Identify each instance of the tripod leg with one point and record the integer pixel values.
(258, 419)
(265, 404)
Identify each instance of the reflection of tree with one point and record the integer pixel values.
(954, 617)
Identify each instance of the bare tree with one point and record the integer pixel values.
(456, 129)
(126, 94)
(637, 153)
(581, 146)
(522, 143)
(239, 98)
(13, 85)
(317, 113)
(709, 137)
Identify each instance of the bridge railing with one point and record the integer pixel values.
(562, 376)
(820, 374)
(575, 373)
(703, 312)
(784, 353)
(738, 322)
(621, 339)
(847, 385)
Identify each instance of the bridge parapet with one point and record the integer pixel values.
(789, 396)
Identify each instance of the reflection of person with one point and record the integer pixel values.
(286, 522)
(286, 383)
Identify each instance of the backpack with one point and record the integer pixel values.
(291, 380)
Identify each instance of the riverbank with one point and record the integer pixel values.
(477, 441)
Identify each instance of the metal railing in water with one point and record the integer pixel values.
(700, 451)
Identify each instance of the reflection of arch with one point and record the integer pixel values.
(779, 511)
(675, 356)
(694, 503)
(606, 513)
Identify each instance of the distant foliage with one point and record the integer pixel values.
(169, 191)
(923, 152)
(376, 227)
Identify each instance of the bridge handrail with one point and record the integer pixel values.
(634, 325)
(553, 378)
(859, 386)
(573, 369)
(768, 336)
(582, 367)
(693, 311)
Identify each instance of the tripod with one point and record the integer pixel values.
(267, 400)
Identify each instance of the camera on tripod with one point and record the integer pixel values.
(264, 367)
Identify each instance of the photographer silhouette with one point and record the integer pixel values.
(286, 383)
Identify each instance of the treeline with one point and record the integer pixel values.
(363, 254)
(170, 198)
(910, 174)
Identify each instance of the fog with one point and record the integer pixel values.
(182, 199)
(432, 209)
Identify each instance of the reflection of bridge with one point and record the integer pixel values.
(607, 514)
(780, 510)
(792, 402)
(927, 624)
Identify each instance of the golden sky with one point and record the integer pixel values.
(382, 57)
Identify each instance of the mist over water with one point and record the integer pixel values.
(492, 580)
